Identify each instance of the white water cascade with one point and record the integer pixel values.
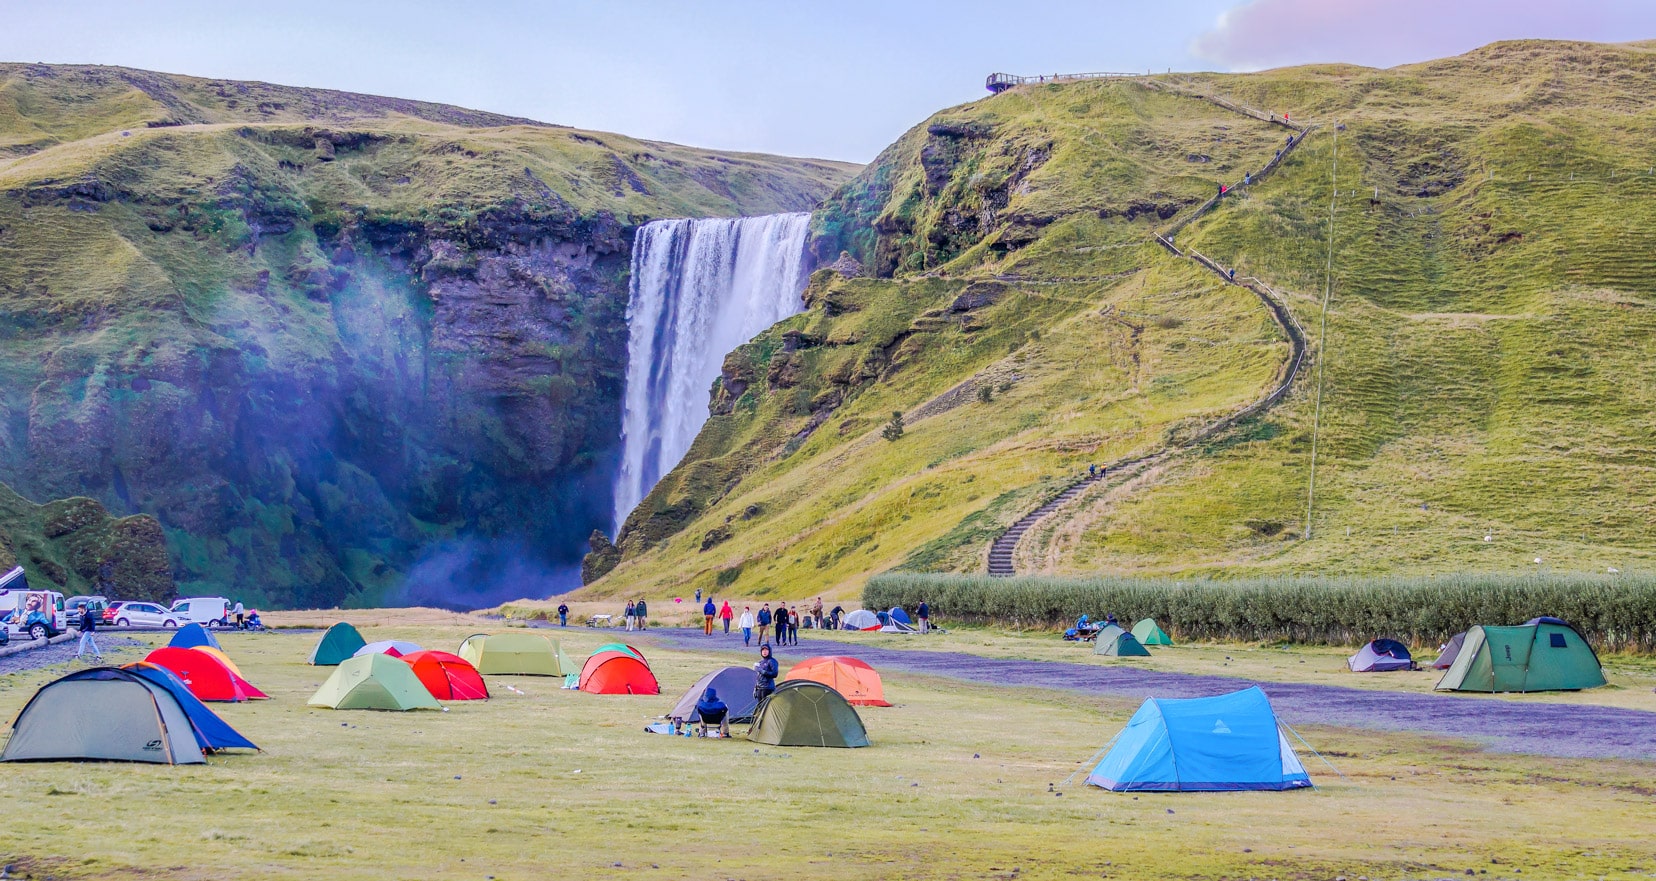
(699, 289)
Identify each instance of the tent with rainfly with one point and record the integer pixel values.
(1226, 742)
(614, 672)
(861, 619)
(338, 644)
(1452, 648)
(208, 677)
(734, 686)
(802, 712)
(396, 648)
(193, 635)
(1381, 656)
(448, 677)
(851, 678)
(374, 682)
(1148, 632)
(103, 714)
(515, 654)
(211, 732)
(1543, 654)
(1115, 642)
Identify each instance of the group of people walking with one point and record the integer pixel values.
(637, 615)
(780, 625)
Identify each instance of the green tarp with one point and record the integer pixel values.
(1544, 655)
(339, 643)
(1148, 632)
(374, 682)
(805, 713)
(1112, 641)
(516, 654)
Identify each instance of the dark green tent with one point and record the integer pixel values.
(805, 713)
(338, 644)
(1115, 642)
(1543, 654)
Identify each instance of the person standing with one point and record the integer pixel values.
(241, 615)
(924, 614)
(779, 624)
(764, 675)
(793, 625)
(708, 611)
(698, 594)
(764, 622)
(563, 614)
(89, 626)
(725, 613)
(746, 624)
(628, 615)
(641, 613)
(816, 612)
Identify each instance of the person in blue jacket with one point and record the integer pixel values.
(765, 672)
(708, 611)
(713, 712)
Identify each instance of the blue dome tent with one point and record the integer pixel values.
(1226, 742)
(194, 635)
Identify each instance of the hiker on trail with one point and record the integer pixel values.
(764, 623)
(816, 612)
(1247, 178)
(924, 614)
(746, 624)
(834, 617)
(1222, 189)
(698, 594)
(628, 615)
(713, 712)
(640, 613)
(1233, 273)
(764, 674)
(1092, 470)
(1290, 140)
(708, 611)
(563, 614)
(89, 626)
(725, 613)
(241, 615)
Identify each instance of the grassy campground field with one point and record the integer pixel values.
(551, 783)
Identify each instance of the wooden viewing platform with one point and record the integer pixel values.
(1000, 82)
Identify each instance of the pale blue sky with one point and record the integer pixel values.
(832, 79)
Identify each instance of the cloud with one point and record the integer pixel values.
(1382, 33)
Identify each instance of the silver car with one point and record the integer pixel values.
(144, 615)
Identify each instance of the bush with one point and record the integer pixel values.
(1615, 613)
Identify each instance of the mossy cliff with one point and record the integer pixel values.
(322, 336)
(1486, 368)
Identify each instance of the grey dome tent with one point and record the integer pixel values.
(1446, 658)
(735, 687)
(1381, 656)
(103, 714)
(805, 713)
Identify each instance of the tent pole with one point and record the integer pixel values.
(1314, 752)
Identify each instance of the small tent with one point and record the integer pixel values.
(192, 635)
(340, 642)
(805, 713)
(207, 677)
(896, 613)
(374, 682)
(515, 654)
(1226, 742)
(892, 625)
(735, 687)
(613, 672)
(1544, 654)
(1381, 656)
(1115, 642)
(1148, 632)
(1446, 657)
(448, 677)
(851, 678)
(211, 732)
(103, 714)
(862, 619)
(396, 648)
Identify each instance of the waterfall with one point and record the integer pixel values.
(699, 289)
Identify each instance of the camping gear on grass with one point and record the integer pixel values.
(1381, 656)
(103, 713)
(1227, 742)
(1450, 649)
(396, 648)
(339, 643)
(1148, 632)
(448, 677)
(851, 678)
(613, 672)
(862, 619)
(1543, 654)
(735, 686)
(805, 713)
(211, 732)
(374, 682)
(193, 635)
(208, 678)
(515, 654)
(1115, 642)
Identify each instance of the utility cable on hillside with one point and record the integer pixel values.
(1322, 334)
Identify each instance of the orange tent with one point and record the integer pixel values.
(615, 672)
(853, 679)
(447, 676)
(206, 676)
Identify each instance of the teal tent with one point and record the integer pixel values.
(1227, 742)
(337, 645)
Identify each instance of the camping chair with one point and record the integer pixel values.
(719, 720)
(599, 620)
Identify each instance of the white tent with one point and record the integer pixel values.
(862, 619)
(385, 645)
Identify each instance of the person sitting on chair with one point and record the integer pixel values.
(713, 712)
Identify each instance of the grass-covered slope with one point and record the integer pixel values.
(1487, 366)
(323, 336)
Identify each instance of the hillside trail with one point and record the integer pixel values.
(1500, 724)
(1005, 547)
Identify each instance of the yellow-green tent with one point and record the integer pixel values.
(374, 682)
(520, 654)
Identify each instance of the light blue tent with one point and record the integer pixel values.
(192, 635)
(1227, 742)
(897, 614)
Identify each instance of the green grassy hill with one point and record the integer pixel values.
(327, 338)
(1486, 367)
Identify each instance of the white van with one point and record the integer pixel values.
(37, 614)
(206, 611)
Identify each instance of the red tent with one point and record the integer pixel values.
(206, 676)
(617, 673)
(448, 677)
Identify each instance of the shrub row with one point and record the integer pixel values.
(1615, 613)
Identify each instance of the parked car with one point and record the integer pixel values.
(72, 607)
(136, 614)
(206, 611)
(37, 613)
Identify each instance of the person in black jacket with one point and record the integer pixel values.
(764, 674)
(563, 614)
(641, 613)
(88, 626)
(779, 622)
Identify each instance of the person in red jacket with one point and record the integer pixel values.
(725, 614)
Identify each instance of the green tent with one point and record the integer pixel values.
(340, 642)
(1115, 642)
(1148, 632)
(374, 682)
(1543, 654)
(805, 713)
(516, 654)
(619, 647)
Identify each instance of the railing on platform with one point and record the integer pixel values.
(1000, 82)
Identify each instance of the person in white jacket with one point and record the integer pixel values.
(747, 624)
